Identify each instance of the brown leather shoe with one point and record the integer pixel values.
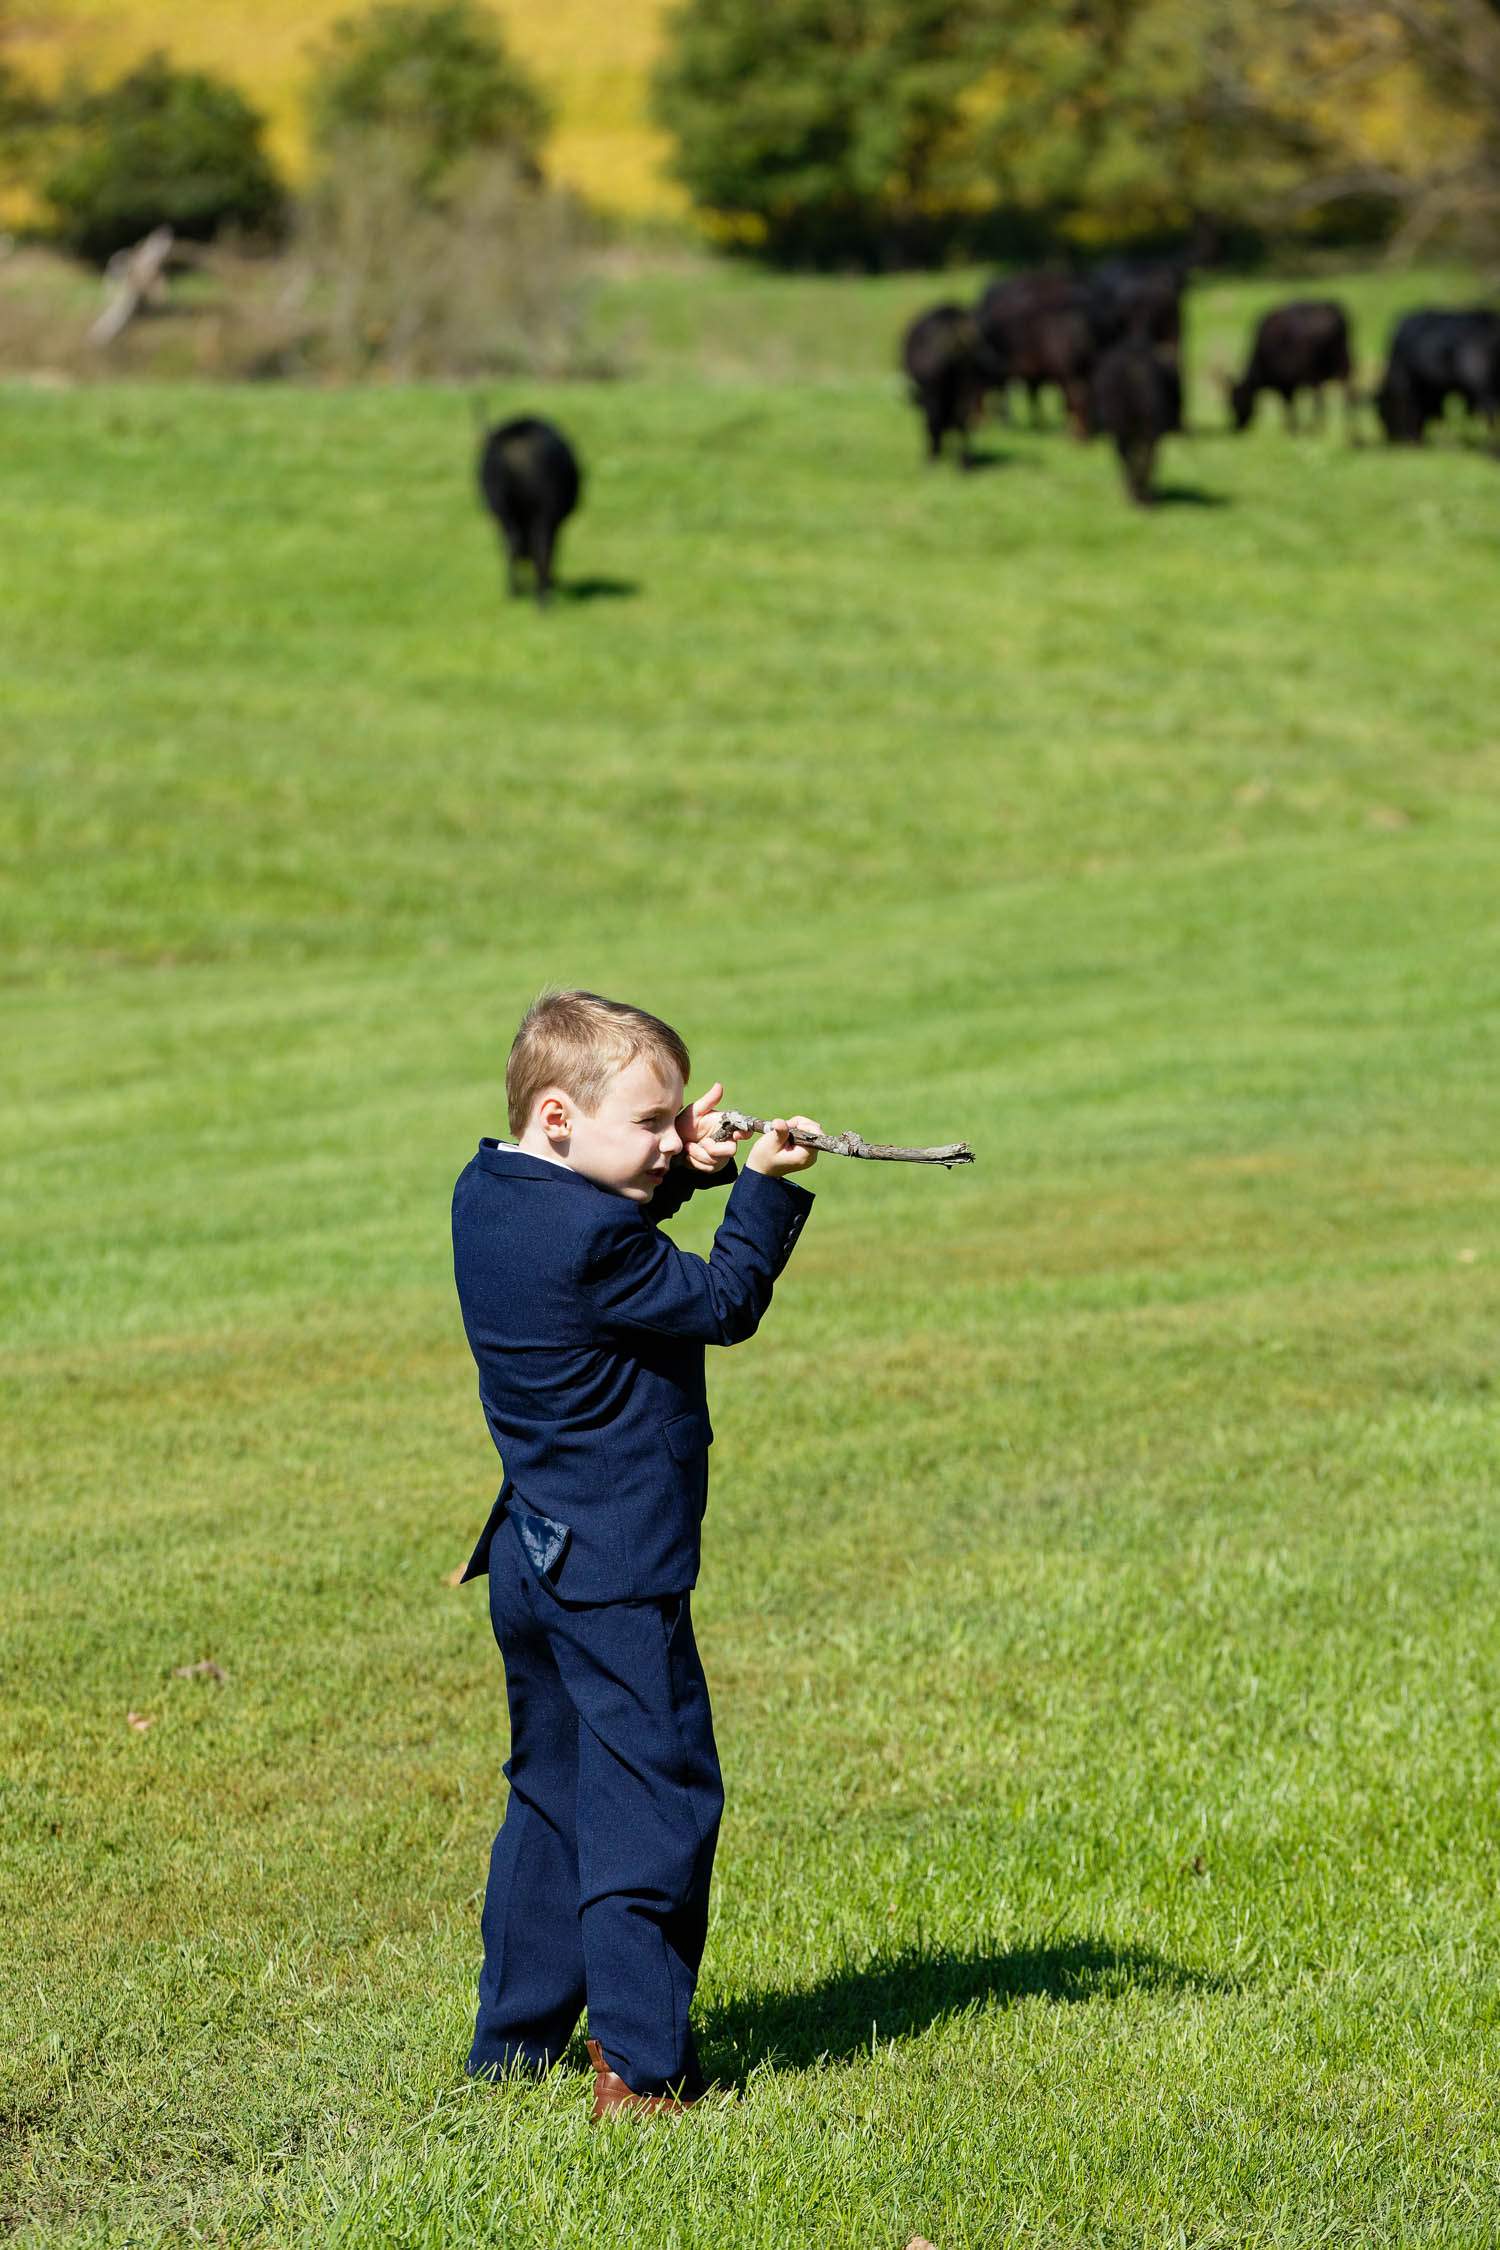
(611, 2092)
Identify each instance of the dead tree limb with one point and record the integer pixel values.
(138, 278)
(732, 1121)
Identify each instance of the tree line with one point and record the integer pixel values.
(883, 131)
(874, 132)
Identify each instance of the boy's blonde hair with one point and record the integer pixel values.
(578, 1040)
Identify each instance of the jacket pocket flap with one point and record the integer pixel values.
(688, 1435)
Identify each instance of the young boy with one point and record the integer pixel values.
(588, 1327)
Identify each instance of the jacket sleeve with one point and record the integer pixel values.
(636, 1281)
(681, 1182)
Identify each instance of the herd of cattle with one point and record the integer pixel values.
(1111, 344)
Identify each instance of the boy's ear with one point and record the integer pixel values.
(554, 1112)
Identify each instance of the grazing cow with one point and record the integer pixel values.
(1433, 356)
(1139, 298)
(1036, 326)
(529, 477)
(1139, 301)
(951, 368)
(1298, 347)
(1136, 399)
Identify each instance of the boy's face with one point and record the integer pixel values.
(630, 1141)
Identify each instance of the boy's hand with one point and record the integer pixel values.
(776, 1153)
(697, 1125)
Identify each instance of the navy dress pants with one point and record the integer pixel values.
(598, 1886)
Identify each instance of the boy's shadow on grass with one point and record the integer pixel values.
(837, 2018)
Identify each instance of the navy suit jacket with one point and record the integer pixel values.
(588, 1327)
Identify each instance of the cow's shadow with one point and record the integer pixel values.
(900, 1996)
(595, 589)
(1186, 496)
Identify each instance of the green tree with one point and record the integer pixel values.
(1419, 87)
(1121, 117)
(23, 120)
(21, 106)
(822, 129)
(162, 145)
(817, 126)
(433, 79)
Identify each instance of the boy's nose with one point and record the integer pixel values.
(671, 1141)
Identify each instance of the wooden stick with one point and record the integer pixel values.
(138, 278)
(732, 1121)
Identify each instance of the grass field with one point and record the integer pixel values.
(1101, 1573)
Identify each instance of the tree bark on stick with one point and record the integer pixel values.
(734, 1121)
(138, 278)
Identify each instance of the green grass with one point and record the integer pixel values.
(728, 319)
(1101, 1569)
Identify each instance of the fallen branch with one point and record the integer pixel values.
(138, 278)
(732, 1121)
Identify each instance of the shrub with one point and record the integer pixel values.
(162, 145)
(432, 78)
(380, 281)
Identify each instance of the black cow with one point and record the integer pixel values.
(528, 474)
(1139, 301)
(1433, 357)
(1297, 347)
(1137, 298)
(1135, 398)
(1037, 329)
(950, 368)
